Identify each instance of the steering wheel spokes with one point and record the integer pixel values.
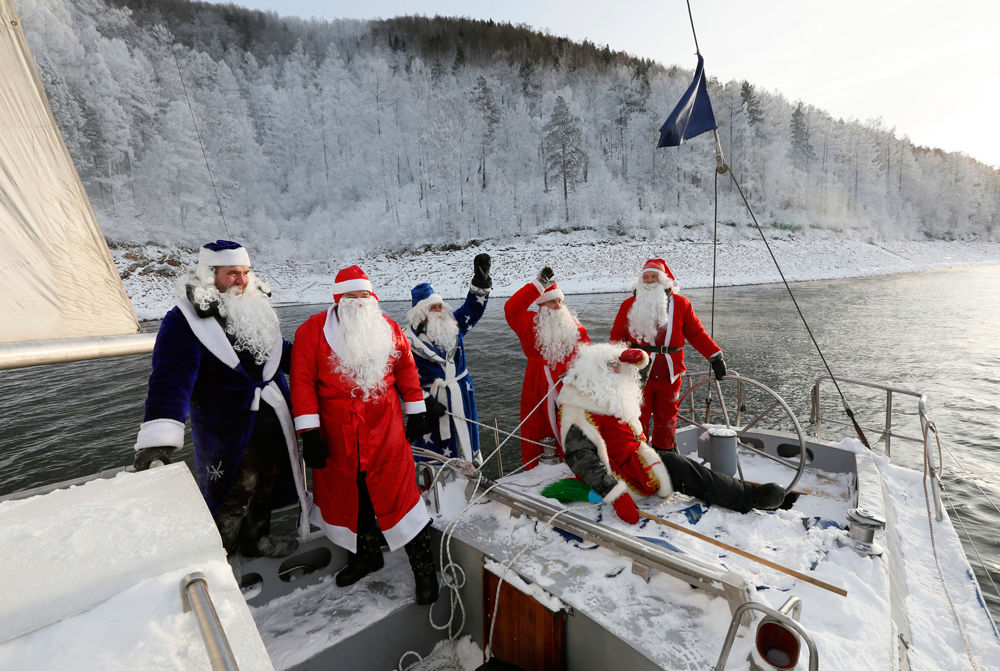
(740, 404)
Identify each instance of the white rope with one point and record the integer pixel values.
(929, 472)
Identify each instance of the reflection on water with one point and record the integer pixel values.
(933, 332)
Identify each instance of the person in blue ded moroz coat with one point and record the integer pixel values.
(219, 356)
(437, 339)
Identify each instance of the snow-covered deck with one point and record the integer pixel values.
(92, 574)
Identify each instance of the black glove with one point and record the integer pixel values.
(481, 272)
(435, 408)
(147, 455)
(314, 450)
(545, 276)
(718, 367)
(416, 427)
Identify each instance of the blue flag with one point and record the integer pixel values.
(693, 114)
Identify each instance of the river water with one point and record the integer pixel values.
(934, 332)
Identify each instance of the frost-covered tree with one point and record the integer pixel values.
(564, 152)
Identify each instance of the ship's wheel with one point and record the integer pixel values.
(741, 404)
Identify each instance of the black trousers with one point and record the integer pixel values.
(418, 550)
(691, 478)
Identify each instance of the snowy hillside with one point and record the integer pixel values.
(329, 140)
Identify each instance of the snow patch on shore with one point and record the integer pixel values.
(582, 266)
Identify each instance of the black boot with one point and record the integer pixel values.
(768, 496)
(422, 562)
(368, 559)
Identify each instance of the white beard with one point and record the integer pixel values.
(442, 329)
(368, 344)
(250, 320)
(556, 334)
(597, 381)
(648, 313)
(248, 317)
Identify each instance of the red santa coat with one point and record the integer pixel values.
(682, 323)
(362, 435)
(662, 391)
(620, 446)
(540, 376)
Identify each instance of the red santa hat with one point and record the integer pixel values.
(660, 267)
(550, 294)
(349, 279)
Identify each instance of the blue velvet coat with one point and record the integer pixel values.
(436, 368)
(223, 400)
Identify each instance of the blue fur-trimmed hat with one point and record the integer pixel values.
(223, 253)
(422, 292)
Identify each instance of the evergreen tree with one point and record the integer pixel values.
(564, 152)
(801, 148)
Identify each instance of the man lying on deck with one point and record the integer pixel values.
(606, 448)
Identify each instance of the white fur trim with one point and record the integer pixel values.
(341, 536)
(413, 407)
(550, 295)
(303, 422)
(418, 313)
(352, 285)
(209, 333)
(159, 433)
(224, 257)
(538, 285)
(650, 457)
(573, 415)
(717, 354)
(408, 527)
(616, 491)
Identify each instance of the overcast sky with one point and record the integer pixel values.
(931, 70)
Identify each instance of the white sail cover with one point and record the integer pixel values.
(57, 278)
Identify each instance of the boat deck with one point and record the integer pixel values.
(618, 613)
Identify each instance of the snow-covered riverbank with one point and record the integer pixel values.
(582, 266)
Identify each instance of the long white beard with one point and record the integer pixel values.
(602, 383)
(248, 317)
(556, 334)
(368, 344)
(250, 320)
(442, 329)
(648, 313)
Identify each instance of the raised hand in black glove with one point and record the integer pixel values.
(718, 367)
(435, 408)
(147, 455)
(416, 427)
(314, 450)
(545, 276)
(481, 272)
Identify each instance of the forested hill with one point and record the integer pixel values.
(416, 131)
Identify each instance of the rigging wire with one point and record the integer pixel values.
(204, 154)
(722, 168)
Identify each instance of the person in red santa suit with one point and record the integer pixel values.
(548, 337)
(350, 366)
(606, 448)
(657, 320)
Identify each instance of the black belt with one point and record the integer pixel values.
(656, 349)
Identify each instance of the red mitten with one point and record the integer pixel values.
(634, 356)
(626, 509)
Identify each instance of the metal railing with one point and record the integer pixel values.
(787, 616)
(885, 433)
(195, 597)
